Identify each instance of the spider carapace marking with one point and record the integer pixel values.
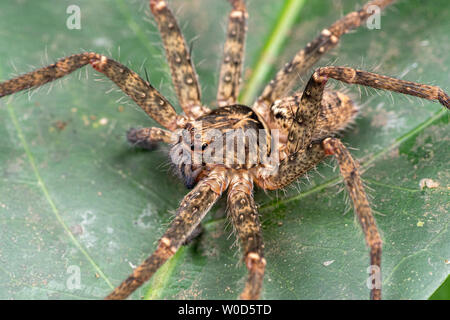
(208, 135)
(305, 124)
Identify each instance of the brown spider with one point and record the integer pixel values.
(306, 123)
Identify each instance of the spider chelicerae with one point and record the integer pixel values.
(306, 123)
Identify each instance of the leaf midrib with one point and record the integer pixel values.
(48, 198)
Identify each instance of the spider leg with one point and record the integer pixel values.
(299, 163)
(148, 138)
(354, 76)
(184, 77)
(349, 171)
(304, 154)
(233, 55)
(303, 124)
(147, 97)
(286, 78)
(192, 210)
(244, 216)
(337, 110)
(301, 154)
(289, 169)
(304, 121)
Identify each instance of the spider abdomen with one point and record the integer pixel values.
(337, 112)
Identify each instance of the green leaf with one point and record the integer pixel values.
(75, 196)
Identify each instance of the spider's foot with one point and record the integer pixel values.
(135, 137)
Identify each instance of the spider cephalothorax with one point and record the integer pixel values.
(233, 137)
(234, 147)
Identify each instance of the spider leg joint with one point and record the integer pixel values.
(99, 62)
(319, 78)
(254, 260)
(167, 244)
(328, 146)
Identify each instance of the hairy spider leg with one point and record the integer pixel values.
(303, 124)
(233, 55)
(336, 112)
(287, 171)
(147, 97)
(287, 77)
(184, 77)
(297, 164)
(369, 79)
(290, 168)
(244, 216)
(352, 180)
(304, 121)
(148, 138)
(193, 208)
